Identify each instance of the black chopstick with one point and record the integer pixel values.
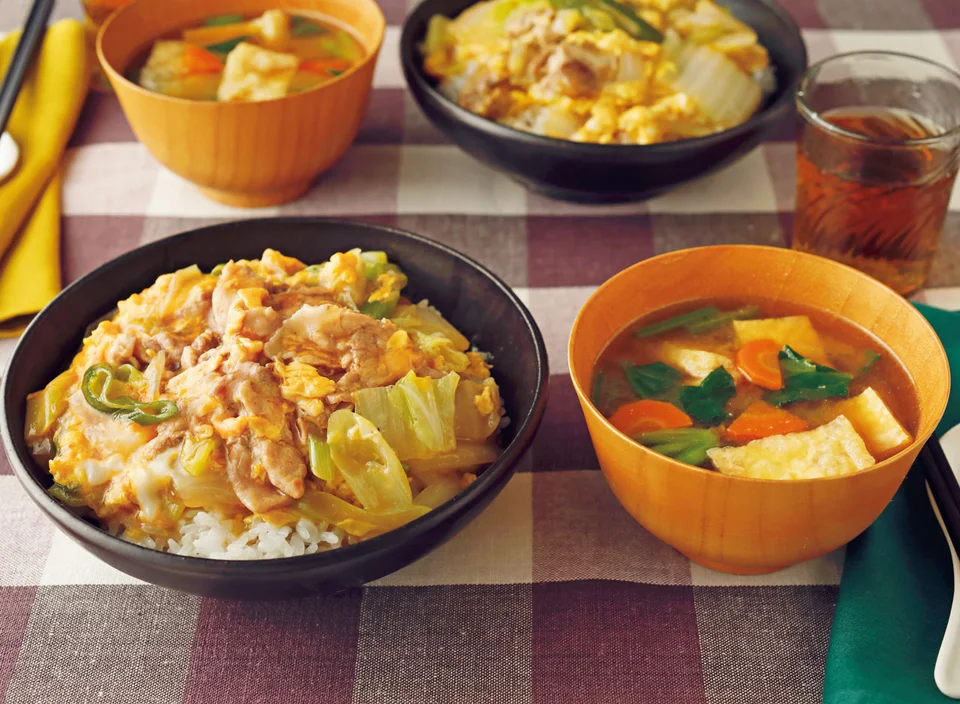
(33, 32)
(943, 486)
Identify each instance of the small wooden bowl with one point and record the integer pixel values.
(242, 154)
(734, 524)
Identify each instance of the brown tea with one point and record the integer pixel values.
(876, 204)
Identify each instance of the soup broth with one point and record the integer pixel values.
(741, 373)
(237, 58)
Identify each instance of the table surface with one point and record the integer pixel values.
(554, 594)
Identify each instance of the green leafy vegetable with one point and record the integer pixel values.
(416, 415)
(651, 380)
(619, 14)
(129, 374)
(705, 402)
(217, 270)
(302, 27)
(221, 20)
(596, 395)
(374, 263)
(804, 380)
(870, 358)
(196, 453)
(629, 21)
(379, 309)
(321, 461)
(100, 380)
(675, 322)
(68, 495)
(341, 45)
(227, 46)
(688, 445)
(367, 462)
(707, 324)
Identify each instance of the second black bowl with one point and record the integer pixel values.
(473, 299)
(606, 173)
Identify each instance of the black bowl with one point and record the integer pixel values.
(471, 297)
(606, 173)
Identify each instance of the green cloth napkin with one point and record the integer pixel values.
(897, 586)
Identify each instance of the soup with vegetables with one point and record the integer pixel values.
(267, 408)
(234, 58)
(757, 389)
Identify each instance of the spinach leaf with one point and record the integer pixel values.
(715, 321)
(869, 359)
(651, 380)
(596, 395)
(302, 27)
(69, 495)
(688, 445)
(705, 402)
(226, 47)
(677, 321)
(223, 20)
(804, 380)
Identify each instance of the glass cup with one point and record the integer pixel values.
(97, 12)
(876, 161)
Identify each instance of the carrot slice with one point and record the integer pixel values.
(646, 415)
(324, 65)
(759, 361)
(762, 420)
(197, 60)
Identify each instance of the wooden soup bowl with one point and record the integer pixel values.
(735, 524)
(242, 154)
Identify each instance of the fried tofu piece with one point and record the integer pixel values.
(831, 450)
(796, 331)
(252, 73)
(878, 427)
(695, 363)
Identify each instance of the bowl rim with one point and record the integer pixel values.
(414, 73)
(918, 440)
(407, 533)
(116, 74)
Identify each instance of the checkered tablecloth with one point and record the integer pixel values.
(553, 595)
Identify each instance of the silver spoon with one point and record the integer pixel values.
(33, 31)
(947, 670)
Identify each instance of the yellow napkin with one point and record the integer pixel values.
(41, 123)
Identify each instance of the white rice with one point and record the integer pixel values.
(203, 534)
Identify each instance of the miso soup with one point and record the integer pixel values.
(757, 389)
(235, 58)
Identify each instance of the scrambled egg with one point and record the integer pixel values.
(569, 70)
(215, 391)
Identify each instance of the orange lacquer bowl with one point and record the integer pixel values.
(242, 154)
(734, 524)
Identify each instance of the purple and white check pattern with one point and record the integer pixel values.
(553, 594)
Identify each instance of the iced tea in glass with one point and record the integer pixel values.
(876, 162)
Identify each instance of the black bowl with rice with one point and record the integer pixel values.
(307, 556)
(577, 167)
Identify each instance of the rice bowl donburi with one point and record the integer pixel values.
(631, 72)
(267, 409)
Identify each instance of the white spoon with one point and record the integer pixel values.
(946, 673)
(9, 155)
(33, 31)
